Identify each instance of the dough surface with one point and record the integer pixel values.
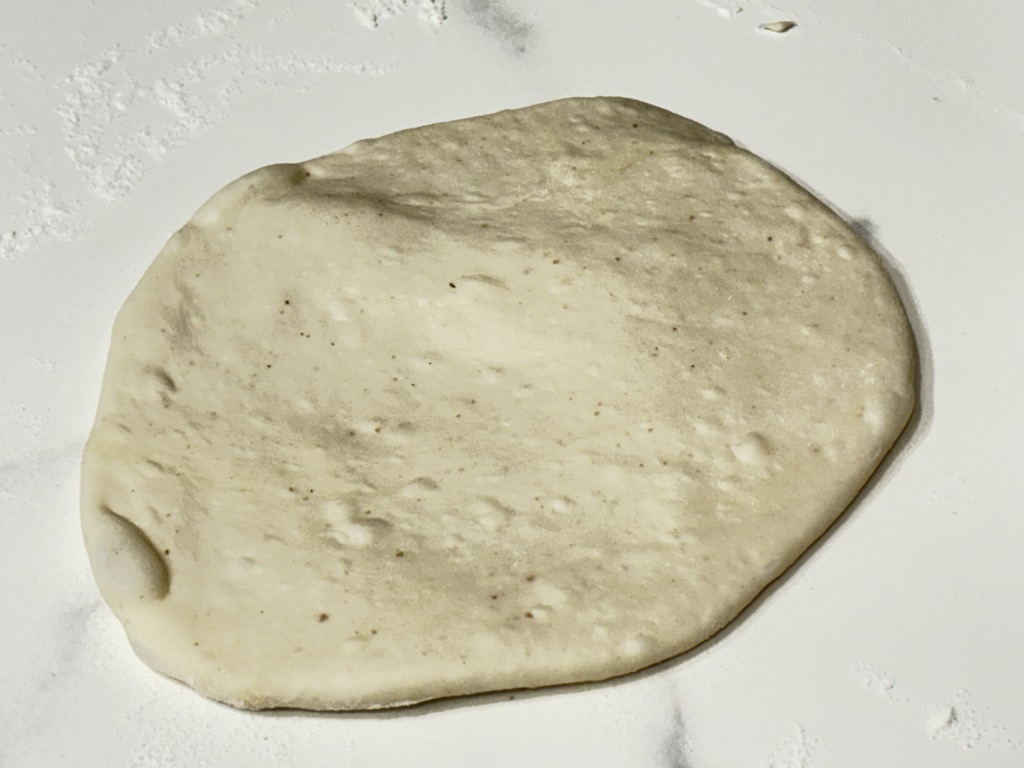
(532, 398)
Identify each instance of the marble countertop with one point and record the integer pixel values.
(895, 641)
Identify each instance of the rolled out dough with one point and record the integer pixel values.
(533, 398)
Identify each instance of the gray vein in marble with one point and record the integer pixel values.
(512, 30)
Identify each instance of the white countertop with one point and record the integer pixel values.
(896, 641)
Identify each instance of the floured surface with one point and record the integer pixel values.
(534, 398)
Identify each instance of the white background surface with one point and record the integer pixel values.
(897, 641)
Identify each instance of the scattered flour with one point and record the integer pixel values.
(794, 752)
(96, 98)
(371, 13)
(30, 207)
(875, 679)
(116, 122)
(726, 8)
(218, 21)
(27, 422)
(42, 212)
(955, 722)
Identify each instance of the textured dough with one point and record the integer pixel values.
(532, 398)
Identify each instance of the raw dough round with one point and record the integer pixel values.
(532, 398)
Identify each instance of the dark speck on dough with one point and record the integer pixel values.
(164, 378)
(322, 617)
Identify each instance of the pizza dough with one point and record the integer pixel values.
(533, 398)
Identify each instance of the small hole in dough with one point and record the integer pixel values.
(127, 565)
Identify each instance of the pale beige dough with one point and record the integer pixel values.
(532, 398)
